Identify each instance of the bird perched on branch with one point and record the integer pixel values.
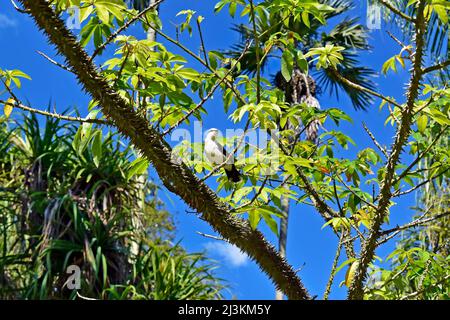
(217, 155)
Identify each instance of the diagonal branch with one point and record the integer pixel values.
(415, 223)
(176, 177)
(55, 62)
(438, 66)
(419, 185)
(375, 141)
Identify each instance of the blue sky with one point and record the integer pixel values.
(310, 248)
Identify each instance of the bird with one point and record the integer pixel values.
(217, 155)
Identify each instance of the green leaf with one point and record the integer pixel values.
(287, 65)
(442, 13)
(422, 123)
(439, 117)
(97, 148)
(137, 167)
(254, 217)
(8, 108)
(305, 19)
(189, 74)
(270, 221)
(389, 64)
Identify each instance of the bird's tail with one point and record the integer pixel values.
(233, 174)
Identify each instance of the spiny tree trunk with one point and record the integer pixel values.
(177, 178)
(356, 290)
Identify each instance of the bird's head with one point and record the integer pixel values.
(212, 133)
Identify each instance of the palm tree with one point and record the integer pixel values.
(303, 87)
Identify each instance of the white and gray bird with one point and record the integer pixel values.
(217, 155)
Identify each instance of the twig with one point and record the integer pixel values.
(355, 194)
(257, 194)
(337, 198)
(19, 105)
(122, 67)
(56, 115)
(404, 47)
(333, 268)
(211, 236)
(377, 144)
(391, 112)
(415, 223)
(55, 62)
(420, 156)
(402, 193)
(439, 66)
(202, 42)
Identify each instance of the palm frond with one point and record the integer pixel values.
(353, 72)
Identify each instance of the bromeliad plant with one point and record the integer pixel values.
(146, 92)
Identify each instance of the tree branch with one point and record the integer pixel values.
(377, 144)
(54, 62)
(418, 186)
(356, 290)
(202, 42)
(333, 268)
(420, 156)
(439, 66)
(56, 115)
(176, 177)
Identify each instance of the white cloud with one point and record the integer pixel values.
(6, 22)
(232, 255)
